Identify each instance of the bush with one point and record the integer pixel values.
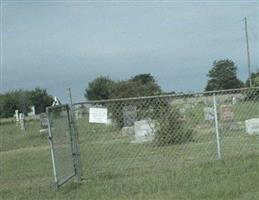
(171, 128)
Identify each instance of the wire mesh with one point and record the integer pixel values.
(150, 143)
(61, 143)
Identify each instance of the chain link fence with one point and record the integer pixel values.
(136, 142)
(188, 146)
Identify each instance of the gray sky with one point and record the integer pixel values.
(56, 45)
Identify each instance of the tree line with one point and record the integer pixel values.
(222, 75)
(23, 100)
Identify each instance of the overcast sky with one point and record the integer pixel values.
(56, 45)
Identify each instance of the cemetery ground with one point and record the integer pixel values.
(115, 168)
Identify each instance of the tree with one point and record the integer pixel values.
(40, 99)
(22, 100)
(252, 94)
(99, 88)
(104, 88)
(139, 85)
(143, 79)
(172, 129)
(254, 78)
(223, 76)
(13, 100)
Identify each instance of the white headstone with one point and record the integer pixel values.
(252, 126)
(16, 115)
(76, 114)
(144, 130)
(32, 113)
(208, 114)
(21, 116)
(109, 121)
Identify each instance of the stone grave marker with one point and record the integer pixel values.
(128, 130)
(209, 114)
(252, 126)
(16, 115)
(22, 121)
(129, 115)
(43, 123)
(226, 113)
(33, 112)
(79, 112)
(144, 131)
(234, 100)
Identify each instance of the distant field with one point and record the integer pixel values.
(114, 168)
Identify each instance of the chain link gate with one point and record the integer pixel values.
(64, 144)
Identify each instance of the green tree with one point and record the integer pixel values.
(13, 100)
(172, 129)
(104, 88)
(143, 79)
(139, 85)
(254, 78)
(22, 100)
(223, 75)
(40, 99)
(99, 88)
(252, 94)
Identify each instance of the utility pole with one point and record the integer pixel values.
(1, 46)
(248, 54)
(70, 96)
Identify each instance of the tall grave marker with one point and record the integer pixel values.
(129, 115)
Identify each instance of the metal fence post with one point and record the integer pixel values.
(50, 137)
(75, 144)
(216, 127)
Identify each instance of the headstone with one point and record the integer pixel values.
(16, 115)
(234, 100)
(109, 121)
(32, 113)
(226, 113)
(144, 131)
(22, 121)
(209, 114)
(252, 126)
(128, 130)
(43, 123)
(129, 115)
(79, 113)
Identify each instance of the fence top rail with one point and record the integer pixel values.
(166, 96)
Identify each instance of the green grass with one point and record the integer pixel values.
(115, 168)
